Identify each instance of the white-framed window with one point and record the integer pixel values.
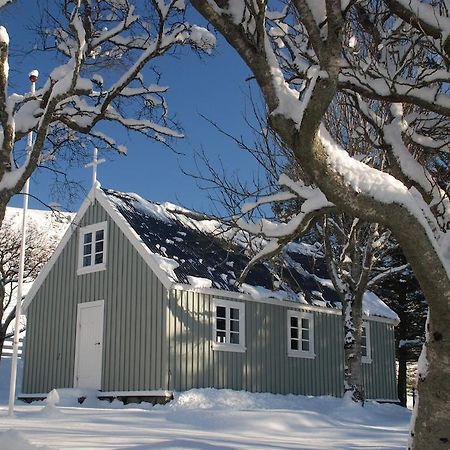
(300, 338)
(228, 325)
(92, 248)
(366, 350)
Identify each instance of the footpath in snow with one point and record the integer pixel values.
(201, 419)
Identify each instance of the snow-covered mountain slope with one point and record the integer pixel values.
(51, 224)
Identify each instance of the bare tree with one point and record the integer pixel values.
(104, 46)
(379, 54)
(40, 244)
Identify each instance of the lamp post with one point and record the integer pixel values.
(33, 76)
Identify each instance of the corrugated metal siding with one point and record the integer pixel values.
(134, 318)
(265, 366)
(151, 342)
(379, 376)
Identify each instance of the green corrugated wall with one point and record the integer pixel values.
(133, 355)
(153, 340)
(265, 366)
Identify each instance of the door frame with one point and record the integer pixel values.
(81, 306)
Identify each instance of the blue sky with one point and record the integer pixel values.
(214, 86)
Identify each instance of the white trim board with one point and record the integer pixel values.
(273, 301)
(42, 395)
(154, 393)
(248, 297)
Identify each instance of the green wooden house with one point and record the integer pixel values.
(140, 299)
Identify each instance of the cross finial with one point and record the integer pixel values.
(95, 162)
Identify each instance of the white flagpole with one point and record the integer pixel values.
(12, 387)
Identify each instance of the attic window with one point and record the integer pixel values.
(366, 353)
(300, 334)
(229, 326)
(92, 248)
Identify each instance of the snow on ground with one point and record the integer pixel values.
(206, 419)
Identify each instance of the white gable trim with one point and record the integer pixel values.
(273, 301)
(65, 239)
(248, 297)
(134, 238)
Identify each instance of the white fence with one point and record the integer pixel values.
(8, 347)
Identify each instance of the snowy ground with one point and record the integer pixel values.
(203, 419)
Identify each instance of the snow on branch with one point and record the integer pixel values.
(277, 235)
(424, 16)
(105, 47)
(4, 2)
(386, 274)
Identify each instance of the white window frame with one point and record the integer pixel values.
(227, 346)
(92, 229)
(368, 357)
(300, 353)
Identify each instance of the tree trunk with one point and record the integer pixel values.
(432, 424)
(352, 318)
(431, 418)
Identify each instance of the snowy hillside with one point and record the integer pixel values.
(52, 224)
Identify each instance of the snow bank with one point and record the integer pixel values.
(14, 440)
(227, 399)
(239, 400)
(205, 419)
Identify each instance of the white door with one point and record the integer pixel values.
(89, 344)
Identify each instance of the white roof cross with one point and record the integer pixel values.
(95, 162)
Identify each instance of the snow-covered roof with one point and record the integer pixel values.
(196, 250)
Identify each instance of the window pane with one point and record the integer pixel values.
(294, 344)
(305, 323)
(221, 311)
(234, 313)
(294, 333)
(363, 351)
(294, 321)
(99, 247)
(234, 325)
(87, 238)
(98, 258)
(220, 336)
(99, 235)
(87, 249)
(221, 324)
(305, 335)
(234, 338)
(86, 260)
(305, 346)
